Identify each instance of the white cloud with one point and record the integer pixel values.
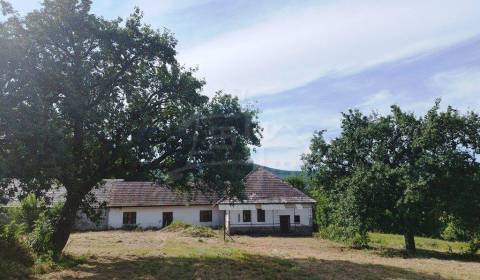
(156, 8)
(381, 102)
(294, 47)
(459, 88)
(287, 133)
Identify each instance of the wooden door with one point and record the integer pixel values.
(167, 218)
(284, 223)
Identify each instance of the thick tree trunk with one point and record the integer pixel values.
(65, 222)
(409, 242)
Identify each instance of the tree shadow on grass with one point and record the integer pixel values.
(239, 267)
(426, 254)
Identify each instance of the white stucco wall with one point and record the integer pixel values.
(152, 216)
(272, 217)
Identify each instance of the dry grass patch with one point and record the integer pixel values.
(168, 255)
(190, 230)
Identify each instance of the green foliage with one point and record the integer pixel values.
(33, 223)
(83, 98)
(25, 241)
(40, 239)
(28, 212)
(48, 263)
(15, 256)
(299, 182)
(453, 231)
(394, 241)
(398, 173)
(345, 234)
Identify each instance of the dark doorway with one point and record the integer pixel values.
(284, 223)
(167, 218)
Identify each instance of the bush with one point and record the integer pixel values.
(4, 217)
(28, 211)
(15, 257)
(32, 222)
(25, 237)
(350, 236)
(473, 246)
(40, 239)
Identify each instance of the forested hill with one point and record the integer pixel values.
(280, 173)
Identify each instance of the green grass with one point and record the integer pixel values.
(396, 241)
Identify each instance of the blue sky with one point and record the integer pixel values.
(302, 63)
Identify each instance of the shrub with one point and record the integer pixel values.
(4, 217)
(25, 237)
(15, 257)
(350, 236)
(28, 212)
(40, 239)
(473, 246)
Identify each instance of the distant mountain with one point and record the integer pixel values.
(280, 173)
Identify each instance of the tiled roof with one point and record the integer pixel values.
(124, 194)
(261, 186)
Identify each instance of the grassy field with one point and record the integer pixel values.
(395, 241)
(172, 255)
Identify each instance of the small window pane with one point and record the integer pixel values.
(247, 216)
(260, 215)
(129, 218)
(205, 216)
(297, 219)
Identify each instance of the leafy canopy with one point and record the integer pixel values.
(83, 98)
(398, 173)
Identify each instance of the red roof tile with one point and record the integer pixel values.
(261, 186)
(125, 194)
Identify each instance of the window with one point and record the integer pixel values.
(296, 218)
(129, 218)
(247, 216)
(260, 215)
(205, 216)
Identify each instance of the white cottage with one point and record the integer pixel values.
(147, 205)
(271, 206)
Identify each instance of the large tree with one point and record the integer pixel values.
(83, 98)
(398, 173)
